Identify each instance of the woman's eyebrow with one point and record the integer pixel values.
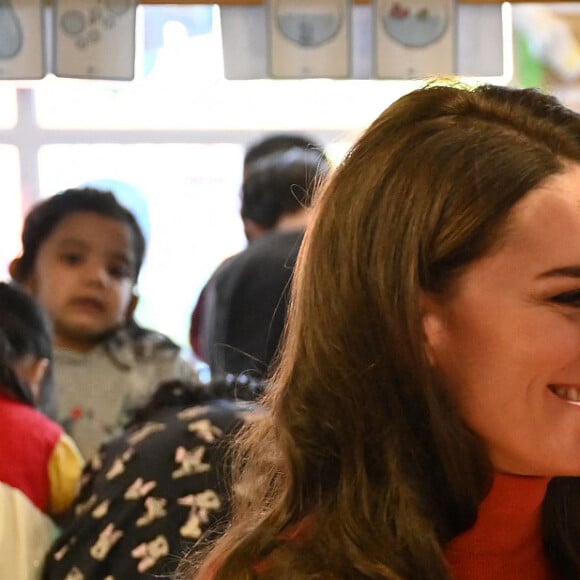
(572, 271)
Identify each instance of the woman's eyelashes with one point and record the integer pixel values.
(570, 298)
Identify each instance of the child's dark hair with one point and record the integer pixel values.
(24, 330)
(46, 215)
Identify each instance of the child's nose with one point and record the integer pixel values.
(97, 273)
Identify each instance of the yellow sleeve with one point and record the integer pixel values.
(64, 474)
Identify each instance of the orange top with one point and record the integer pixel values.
(506, 541)
(504, 544)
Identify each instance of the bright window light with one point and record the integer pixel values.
(8, 114)
(11, 214)
(181, 86)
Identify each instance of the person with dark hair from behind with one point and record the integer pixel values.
(40, 466)
(248, 295)
(278, 143)
(158, 489)
(274, 143)
(81, 255)
(254, 227)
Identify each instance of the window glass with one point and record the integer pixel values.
(8, 109)
(11, 213)
(186, 198)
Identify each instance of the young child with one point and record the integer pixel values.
(40, 466)
(81, 256)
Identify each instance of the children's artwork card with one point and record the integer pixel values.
(309, 38)
(94, 39)
(244, 42)
(21, 39)
(414, 38)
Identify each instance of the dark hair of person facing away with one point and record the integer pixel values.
(361, 434)
(186, 393)
(46, 215)
(24, 331)
(281, 183)
(278, 143)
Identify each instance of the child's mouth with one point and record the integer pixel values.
(89, 304)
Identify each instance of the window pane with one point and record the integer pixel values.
(187, 200)
(11, 214)
(7, 107)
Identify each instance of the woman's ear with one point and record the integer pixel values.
(434, 327)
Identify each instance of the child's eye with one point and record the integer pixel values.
(71, 258)
(571, 298)
(120, 272)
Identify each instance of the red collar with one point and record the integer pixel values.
(506, 542)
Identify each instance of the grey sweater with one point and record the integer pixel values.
(95, 391)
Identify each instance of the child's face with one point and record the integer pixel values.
(84, 276)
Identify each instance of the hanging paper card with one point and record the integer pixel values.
(21, 39)
(244, 42)
(94, 39)
(414, 38)
(480, 40)
(309, 38)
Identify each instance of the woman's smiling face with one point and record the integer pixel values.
(507, 337)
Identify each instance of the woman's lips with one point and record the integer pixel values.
(569, 393)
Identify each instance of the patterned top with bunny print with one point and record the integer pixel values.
(149, 495)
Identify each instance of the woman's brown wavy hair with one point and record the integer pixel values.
(363, 459)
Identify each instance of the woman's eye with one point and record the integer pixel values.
(571, 298)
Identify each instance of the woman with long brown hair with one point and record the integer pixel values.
(424, 419)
